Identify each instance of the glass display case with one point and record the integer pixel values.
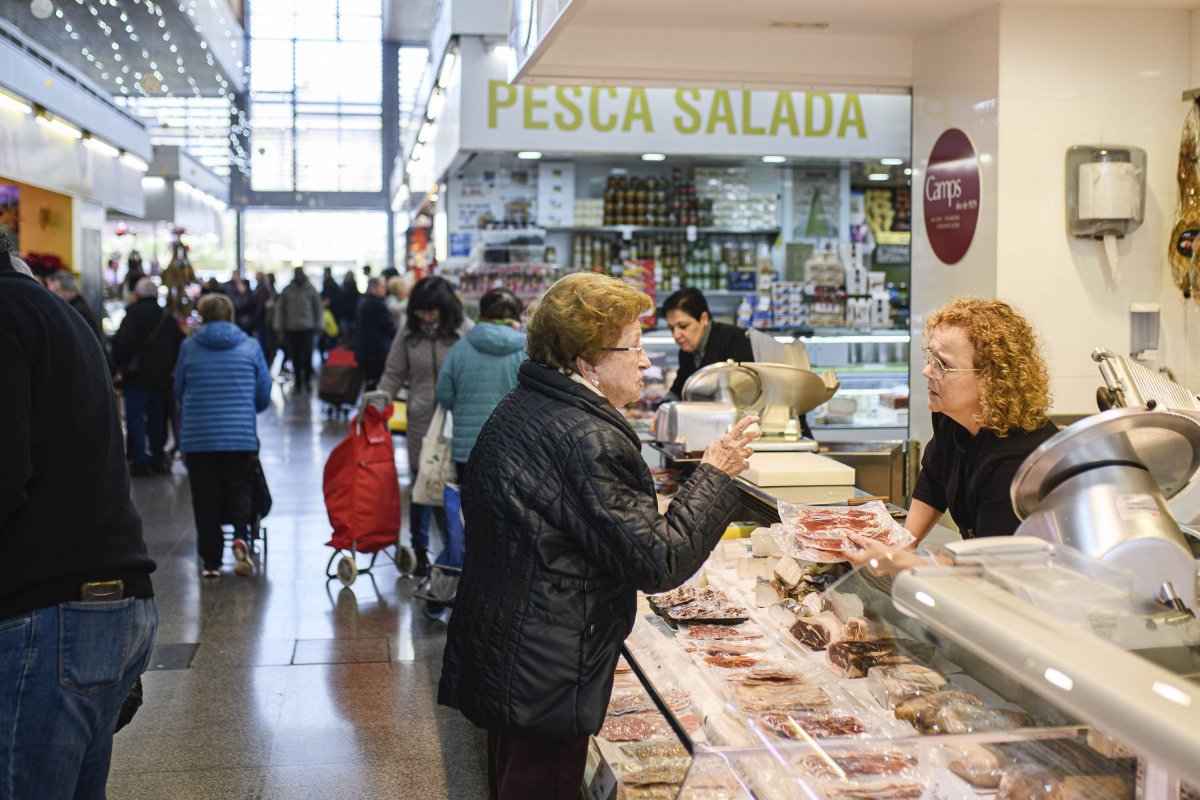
(1027, 675)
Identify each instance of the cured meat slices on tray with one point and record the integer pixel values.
(821, 533)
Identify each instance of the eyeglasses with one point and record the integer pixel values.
(639, 349)
(938, 370)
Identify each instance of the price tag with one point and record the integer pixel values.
(626, 232)
(690, 233)
(945, 785)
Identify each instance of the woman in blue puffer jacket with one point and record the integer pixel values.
(481, 369)
(222, 382)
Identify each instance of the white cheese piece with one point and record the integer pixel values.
(788, 572)
(766, 593)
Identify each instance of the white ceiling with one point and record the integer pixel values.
(867, 44)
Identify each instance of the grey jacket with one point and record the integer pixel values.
(415, 361)
(298, 308)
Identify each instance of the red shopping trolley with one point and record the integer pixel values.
(362, 496)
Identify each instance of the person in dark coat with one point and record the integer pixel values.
(63, 284)
(374, 331)
(562, 530)
(145, 349)
(244, 305)
(222, 382)
(702, 340)
(77, 612)
(347, 306)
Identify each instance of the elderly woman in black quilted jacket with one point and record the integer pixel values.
(563, 529)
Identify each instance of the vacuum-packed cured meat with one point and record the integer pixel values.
(730, 662)
(893, 684)
(816, 633)
(821, 533)
(635, 727)
(770, 672)
(655, 748)
(858, 764)
(970, 718)
(683, 594)
(780, 697)
(978, 765)
(817, 725)
(922, 711)
(721, 632)
(855, 659)
(892, 790)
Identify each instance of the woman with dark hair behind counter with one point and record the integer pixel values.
(989, 392)
(702, 340)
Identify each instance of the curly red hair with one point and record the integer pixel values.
(1014, 384)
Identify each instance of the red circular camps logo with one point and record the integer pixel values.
(951, 196)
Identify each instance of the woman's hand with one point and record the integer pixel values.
(882, 559)
(731, 452)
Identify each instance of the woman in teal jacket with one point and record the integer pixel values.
(481, 369)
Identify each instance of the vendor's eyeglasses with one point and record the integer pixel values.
(639, 349)
(937, 369)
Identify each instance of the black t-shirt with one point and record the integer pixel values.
(724, 342)
(972, 475)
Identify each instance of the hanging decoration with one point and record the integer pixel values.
(1181, 253)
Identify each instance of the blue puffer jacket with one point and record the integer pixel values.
(478, 372)
(221, 383)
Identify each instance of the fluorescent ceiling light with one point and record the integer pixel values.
(130, 160)
(774, 159)
(436, 101)
(426, 133)
(502, 51)
(153, 182)
(653, 157)
(101, 146)
(448, 64)
(15, 103)
(529, 155)
(878, 176)
(891, 162)
(58, 126)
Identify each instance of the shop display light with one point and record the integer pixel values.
(101, 146)
(891, 162)
(653, 157)
(153, 182)
(774, 159)
(13, 103)
(878, 176)
(130, 160)
(529, 155)
(59, 126)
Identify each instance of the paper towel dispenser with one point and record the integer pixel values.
(1106, 191)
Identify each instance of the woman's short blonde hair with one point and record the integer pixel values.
(580, 315)
(1014, 384)
(215, 308)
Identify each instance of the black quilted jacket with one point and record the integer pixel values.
(562, 529)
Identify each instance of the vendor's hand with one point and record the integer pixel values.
(731, 452)
(882, 559)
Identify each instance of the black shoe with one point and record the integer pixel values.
(422, 568)
(161, 467)
(139, 470)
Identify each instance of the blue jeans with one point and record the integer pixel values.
(145, 413)
(64, 672)
(418, 523)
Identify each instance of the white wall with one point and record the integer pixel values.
(955, 85)
(1104, 76)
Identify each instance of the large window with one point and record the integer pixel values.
(412, 64)
(316, 95)
(278, 240)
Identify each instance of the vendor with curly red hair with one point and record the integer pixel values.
(989, 392)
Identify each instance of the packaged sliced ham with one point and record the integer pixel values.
(820, 533)
(856, 764)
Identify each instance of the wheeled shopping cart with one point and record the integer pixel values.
(362, 497)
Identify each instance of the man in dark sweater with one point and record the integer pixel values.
(373, 332)
(77, 615)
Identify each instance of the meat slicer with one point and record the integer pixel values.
(719, 394)
(1101, 486)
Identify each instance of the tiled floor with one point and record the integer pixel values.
(285, 685)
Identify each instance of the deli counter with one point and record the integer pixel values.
(1012, 667)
